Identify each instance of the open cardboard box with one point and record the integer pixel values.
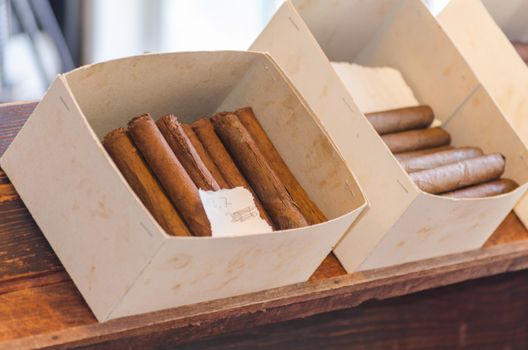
(492, 57)
(118, 256)
(402, 223)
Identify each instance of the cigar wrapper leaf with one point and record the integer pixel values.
(307, 207)
(171, 174)
(134, 169)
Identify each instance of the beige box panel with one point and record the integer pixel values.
(227, 266)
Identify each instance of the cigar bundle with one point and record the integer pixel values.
(167, 162)
(435, 166)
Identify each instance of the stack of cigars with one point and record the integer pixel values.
(166, 162)
(435, 166)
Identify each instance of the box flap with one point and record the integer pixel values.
(491, 56)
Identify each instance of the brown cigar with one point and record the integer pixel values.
(464, 173)
(128, 160)
(437, 159)
(206, 158)
(186, 153)
(254, 166)
(487, 189)
(223, 161)
(308, 208)
(412, 154)
(401, 119)
(522, 50)
(171, 174)
(415, 140)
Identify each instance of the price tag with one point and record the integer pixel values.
(232, 212)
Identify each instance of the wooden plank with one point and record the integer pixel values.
(24, 251)
(12, 117)
(47, 308)
(490, 313)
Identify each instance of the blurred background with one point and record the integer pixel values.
(41, 38)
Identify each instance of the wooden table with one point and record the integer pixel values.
(449, 302)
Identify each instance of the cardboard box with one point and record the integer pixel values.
(118, 256)
(402, 223)
(495, 63)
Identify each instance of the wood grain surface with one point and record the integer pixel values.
(485, 314)
(40, 306)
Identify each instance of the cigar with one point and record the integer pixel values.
(186, 153)
(128, 160)
(437, 159)
(487, 189)
(522, 50)
(223, 161)
(308, 208)
(412, 154)
(461, 174)
(268, 187)
(401, 119)
(204, 156)
(171, 174)
(415, 140)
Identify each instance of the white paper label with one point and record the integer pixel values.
(232, 212)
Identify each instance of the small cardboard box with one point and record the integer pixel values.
(402, 223)
(118, 256)
(494, 61)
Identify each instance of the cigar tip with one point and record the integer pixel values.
(203, 121)
(242, 110)
(168, 117)
(169, 120)
(511, 183)
(119, 132)
(223, 116)
(219, 116)
(186, 127)
(495, 155)
(141, 117)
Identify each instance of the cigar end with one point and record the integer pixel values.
(218, 116)
(510, 184)
(139, 118)
(114, 134)
(200, 123)
(244, 110)
(223, 116)
(167, 122)
(170, 118)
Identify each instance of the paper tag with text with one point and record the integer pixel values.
(232, 212)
